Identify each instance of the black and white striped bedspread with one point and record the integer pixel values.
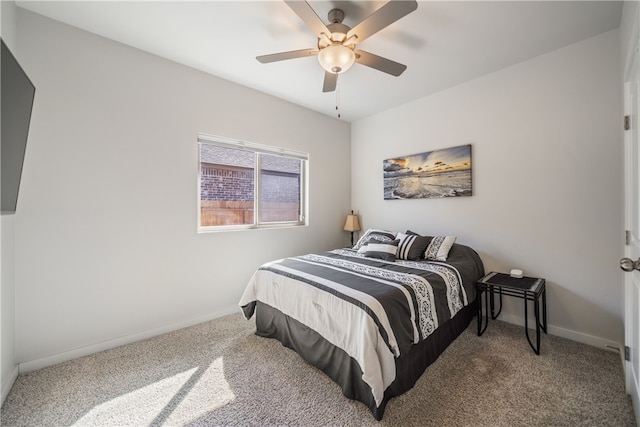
(372, 309)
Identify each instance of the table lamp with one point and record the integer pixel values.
(352, 224)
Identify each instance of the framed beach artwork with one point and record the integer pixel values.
(437, 173)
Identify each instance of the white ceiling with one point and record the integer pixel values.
(442, 43)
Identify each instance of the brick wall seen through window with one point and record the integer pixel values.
(228, 187)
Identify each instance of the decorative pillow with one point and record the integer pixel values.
(382, 250)
(411, 246)
(373, 233)
(438, 249)
(380, 238)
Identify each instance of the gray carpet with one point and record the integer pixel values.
(220, 373)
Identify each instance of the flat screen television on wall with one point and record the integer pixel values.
(17, 94)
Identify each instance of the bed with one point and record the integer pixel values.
(372, 317)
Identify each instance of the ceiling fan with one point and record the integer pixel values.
(337, 42)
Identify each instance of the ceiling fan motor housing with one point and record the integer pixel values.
(338, 35)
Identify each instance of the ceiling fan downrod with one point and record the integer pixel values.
(336, 16)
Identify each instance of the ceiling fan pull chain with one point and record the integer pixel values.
(338, 97)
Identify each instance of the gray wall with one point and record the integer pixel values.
(8, 364)
(106, 243)
(547, 148)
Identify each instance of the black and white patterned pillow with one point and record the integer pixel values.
(374, 233)
(411, 246)
(439, 247)
(386, 250)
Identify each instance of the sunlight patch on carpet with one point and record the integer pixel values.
(140, 406)
(210, 392)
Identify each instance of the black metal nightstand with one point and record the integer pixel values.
(527, 288)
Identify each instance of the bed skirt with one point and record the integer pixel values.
(343, 369)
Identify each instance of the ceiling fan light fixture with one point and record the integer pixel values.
(336, 58)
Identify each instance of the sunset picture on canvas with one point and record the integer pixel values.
(438, 173)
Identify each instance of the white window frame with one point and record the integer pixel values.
(256, 149)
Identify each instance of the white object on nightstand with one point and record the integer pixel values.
(516, 273)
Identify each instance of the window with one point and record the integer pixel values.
(247, 185)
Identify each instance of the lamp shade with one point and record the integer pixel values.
(336, 58)
(352, 223)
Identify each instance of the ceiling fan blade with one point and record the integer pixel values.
(309, 16)
(292, 54)
(379, 63)
(383, 17)
(330, 82)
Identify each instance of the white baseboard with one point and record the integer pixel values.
(43, 362)
(8, 383)
(569, 334)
